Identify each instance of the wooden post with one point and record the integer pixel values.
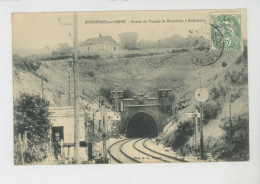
(69, 91)
(42, 87)
(68, 154)
(104, 131)
(93, 126)
(201, 119)
(25, 141)
(21, 147)
(196, 128)
(62, 148)
(194, 138)
(201, 132)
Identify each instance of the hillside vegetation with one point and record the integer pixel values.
(225, 140)
(147, 74)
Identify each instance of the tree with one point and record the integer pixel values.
(105, 92)
(236, 138)
(26, 64)
(182, 134)
(128, 40)
(211, 110)
(128, 93)
(31, 114)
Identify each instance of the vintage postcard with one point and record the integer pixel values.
(130, 87)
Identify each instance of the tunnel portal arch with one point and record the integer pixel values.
(141, 124)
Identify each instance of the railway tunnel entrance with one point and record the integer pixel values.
(142, 124)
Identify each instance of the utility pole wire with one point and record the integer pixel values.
(76, 81)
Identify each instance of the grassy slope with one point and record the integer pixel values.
(141, 75)
(213, 76)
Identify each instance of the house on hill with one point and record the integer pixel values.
(102, 45)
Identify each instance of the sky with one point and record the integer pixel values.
(39, 30)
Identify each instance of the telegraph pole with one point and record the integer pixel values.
(196, 128)
(229, 106)
(228, 89)
(201, 120)
(229, 97)
(104, 131)
(76, 83)
(76, 88)
(201, 96)
(69, 90)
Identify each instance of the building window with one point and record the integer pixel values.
(57, 133)
(114, 48)
(88, 48)
(57, 136)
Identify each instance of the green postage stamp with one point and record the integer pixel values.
(226, 29)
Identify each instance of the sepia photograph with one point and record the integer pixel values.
(122, 87)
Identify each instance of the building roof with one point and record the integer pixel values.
(99, 40)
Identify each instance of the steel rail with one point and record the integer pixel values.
(154, 157)
(112, 156)
(121, 151)
(174, 158)
(131, 158)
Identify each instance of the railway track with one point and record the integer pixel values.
(118, 155)
(162, 154)
(138, 145)
(136, 151)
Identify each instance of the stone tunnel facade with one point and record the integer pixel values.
(142, 116)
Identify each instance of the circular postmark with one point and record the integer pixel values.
(199, 49)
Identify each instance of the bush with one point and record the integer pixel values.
(238, 76)
(134, 55)
(35, 152)
(218, 92)
(182, 134)
(105, 92)
(128, 93)
(236, 139)
(91, 73)
(179, 50)
(210, 111)
(235, 94)
(243, 57)
(26, 64)
(89, 56)
(31, 114)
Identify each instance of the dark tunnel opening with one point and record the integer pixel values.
(142, 125)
